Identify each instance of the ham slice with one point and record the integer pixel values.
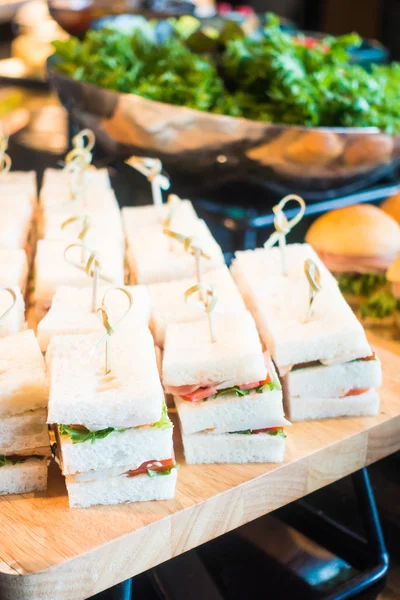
(196, 393)
(356, 264)
(396, 289)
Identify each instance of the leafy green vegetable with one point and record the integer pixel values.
(151, 473)
(232, 390)
(164, 422)
(267, 387)
(6, 461)
(274, 433)
(78, 436)
(360, 285)
(273, 77)
(380, 305)
(238, 392)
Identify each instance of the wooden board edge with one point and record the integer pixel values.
(131, 554)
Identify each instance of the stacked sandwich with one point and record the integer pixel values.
(94, 219)
(358, 244)
(14, 269)
(18, 204)
(155, 257)
(326, 363)
(113, 433)
(227, 393)
(24, 438)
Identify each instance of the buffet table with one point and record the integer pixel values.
(49, 551)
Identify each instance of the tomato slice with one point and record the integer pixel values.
(370, 357)
(154, 465)
(268, 429)
(356, 392)
(268, 379)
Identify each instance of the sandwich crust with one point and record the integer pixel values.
(360, 230)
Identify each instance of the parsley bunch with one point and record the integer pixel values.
(268, 76)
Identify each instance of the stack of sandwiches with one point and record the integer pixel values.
(153, 256)
(326, 363)
(98, 207)
(113, 433)
(12, 311)
(14, 269)
(24, 438)
(227, 393)
(18, 206)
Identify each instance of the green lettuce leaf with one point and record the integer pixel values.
(7, 461)
(360, 285)
(164, 422)
(277, 433)
(151, 473)
(272, 76)
(380, 305)
(78, 436)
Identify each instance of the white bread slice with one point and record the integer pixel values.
(23, 478)
(136, 218)
(303, 408)
(154, 257)
(205, 448)
(24, 181)
(16, 213)
(25, 431)
(279, 306)
(132, 447)
(235, 358)
(59, 178)
(94, 200)
(71, 312)
(267, 262)
(168, 301)
(117, 490)
(333, 380)
(14, 322)
(23, 382)
(232, 413)
(52, 270)
(102, 225)
(13, 269)
(82, 394)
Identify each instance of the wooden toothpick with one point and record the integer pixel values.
(14, 300)
(110, 329)
(283, 226)
(207, 305)
(92, 268)
(151, 168)
(314, 279)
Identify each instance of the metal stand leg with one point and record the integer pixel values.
(369, 554)
(121, 591)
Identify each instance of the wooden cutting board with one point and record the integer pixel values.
(50, 552)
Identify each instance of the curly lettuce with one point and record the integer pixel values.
(380, 305)
(360, 285)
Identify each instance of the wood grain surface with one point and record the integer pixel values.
(50, 552)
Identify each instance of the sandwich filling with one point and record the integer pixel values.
(356, 284)
(153, 468)
(318, 363)
(198, 392)
(273, 431)
(339, 263)
(80, 433)
(15, 459)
